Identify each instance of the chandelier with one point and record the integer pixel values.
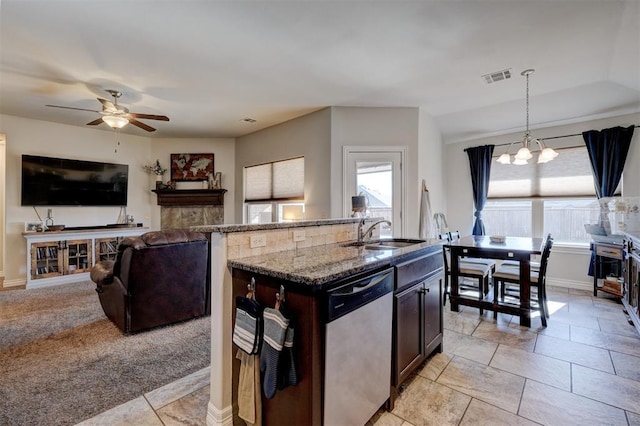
(524, 153)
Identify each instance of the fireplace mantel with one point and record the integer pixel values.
(190, 197)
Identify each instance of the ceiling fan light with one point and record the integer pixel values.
(523, 154)
(520, 161)
(504, 159)
(115, 121)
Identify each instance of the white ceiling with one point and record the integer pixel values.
(209, 64)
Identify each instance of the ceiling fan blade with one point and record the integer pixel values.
(77, 109)
(149, 116)
(95, 122)
(141, 125)
(107, 105)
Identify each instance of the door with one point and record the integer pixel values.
(409, 343)
(377, 174)
(432, 310)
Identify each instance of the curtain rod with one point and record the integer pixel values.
(555, 137)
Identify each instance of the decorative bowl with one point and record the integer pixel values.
(498, 239)
(54, 228)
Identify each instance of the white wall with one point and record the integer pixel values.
(25, 136)
(307, 136)
(223, 161)
(567, 267)
(3, 247)
(359, 126)
(430, 161)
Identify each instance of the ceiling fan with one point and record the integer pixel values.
(117, 116)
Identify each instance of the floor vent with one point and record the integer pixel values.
(497, 76)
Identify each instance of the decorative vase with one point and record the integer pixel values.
(158, 181)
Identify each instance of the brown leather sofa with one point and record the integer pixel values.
(158, 278)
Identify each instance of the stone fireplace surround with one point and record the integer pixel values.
(182, 208)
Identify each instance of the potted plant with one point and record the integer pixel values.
(155, 169)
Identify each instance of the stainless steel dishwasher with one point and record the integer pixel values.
(358, 343)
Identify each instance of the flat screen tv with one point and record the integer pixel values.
(48, 181)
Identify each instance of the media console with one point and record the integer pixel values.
(60, 257)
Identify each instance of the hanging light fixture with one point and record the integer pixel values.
(115, 121)
(546, 154)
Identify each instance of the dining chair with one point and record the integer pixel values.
(509, 275)
(472, 270)
(455, 235)
(535, 266)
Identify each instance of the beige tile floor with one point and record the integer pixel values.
(583, 369)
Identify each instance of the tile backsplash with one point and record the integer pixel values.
(239, 244)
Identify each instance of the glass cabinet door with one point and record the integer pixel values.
(46, 260)
(78, 258)
(106, 248)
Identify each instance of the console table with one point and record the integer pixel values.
(612, 254)
(59, 257)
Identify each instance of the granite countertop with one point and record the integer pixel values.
(316, 267)
(231, 228)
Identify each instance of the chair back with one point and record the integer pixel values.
(445, 236)
(454, 235)
(445, 251)
(544, 260)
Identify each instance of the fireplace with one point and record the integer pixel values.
(182, 208)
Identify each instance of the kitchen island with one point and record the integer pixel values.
(315, 247)
(309, 277)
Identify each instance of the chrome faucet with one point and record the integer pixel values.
(363, 235)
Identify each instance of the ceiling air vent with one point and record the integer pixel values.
(497, 76)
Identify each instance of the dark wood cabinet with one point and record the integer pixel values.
(631, 292)
(409, 331)
(300, 404)
(418, 316)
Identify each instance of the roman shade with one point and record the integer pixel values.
(276, 181)
(568, 175)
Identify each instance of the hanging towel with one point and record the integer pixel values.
(275, 329)
(249, 399)
(247, 331)
(287, 370)
(426, 226)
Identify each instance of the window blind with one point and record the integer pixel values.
(568, 175)
(279, 180)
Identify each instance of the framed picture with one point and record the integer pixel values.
(33, 226)
(191, 166)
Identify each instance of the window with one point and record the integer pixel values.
(508, 218)
(274, 192)
(536, 199)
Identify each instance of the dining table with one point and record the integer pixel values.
(519, 249)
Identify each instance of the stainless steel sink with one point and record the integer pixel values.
(384, 244)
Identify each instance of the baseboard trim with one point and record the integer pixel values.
(573, 284)
(217, 417)
(14, 283)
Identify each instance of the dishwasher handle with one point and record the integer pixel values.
(354, 294)
(361, 285)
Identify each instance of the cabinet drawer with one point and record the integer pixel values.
(610, 252)
(417, 269)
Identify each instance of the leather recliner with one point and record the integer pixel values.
(158, 278)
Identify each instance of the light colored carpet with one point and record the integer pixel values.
(62, 361)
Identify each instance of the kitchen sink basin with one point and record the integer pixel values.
(383, 244)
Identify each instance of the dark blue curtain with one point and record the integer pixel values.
(608, 150)
(480, 166)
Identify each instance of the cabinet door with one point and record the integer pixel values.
(408, 342)
(106, 248)
(46, 260)
(78, 256)
(432, 310)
